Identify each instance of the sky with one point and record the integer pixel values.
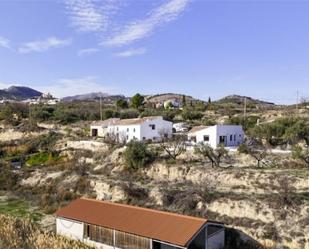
(197, 47)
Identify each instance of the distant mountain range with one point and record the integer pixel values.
(19, 93)
(106, 98)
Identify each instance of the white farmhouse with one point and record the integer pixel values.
(228, 135)
(147, 128)
(99, 128)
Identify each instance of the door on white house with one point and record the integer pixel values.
(94, 132)
(223, 140)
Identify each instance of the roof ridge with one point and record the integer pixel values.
(146, 209)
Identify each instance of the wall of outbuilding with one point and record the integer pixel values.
(216, 241)
(70, 228)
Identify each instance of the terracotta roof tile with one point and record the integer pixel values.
(164, 226)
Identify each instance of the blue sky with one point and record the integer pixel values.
(197, 47)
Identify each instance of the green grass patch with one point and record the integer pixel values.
(19, 209)
(42, 158)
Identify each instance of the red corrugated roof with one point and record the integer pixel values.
(164, 226)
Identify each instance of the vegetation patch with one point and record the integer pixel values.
(42, 158)
(18, 208)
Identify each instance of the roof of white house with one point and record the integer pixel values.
(109, 121)
(136, 121)
(198, 128)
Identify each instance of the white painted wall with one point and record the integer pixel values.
(233, 133)
(142, 131)
(161, 127)
(75, 230)
(216, 241)
(70, 228)
(126, 132)
(99, 245)
(214, 133)
(101, 130)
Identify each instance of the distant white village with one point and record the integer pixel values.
(45, 99)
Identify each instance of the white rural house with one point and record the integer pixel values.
(99, 128)
(110, 225)
(124, 130)
(147, 128)
(228, 135)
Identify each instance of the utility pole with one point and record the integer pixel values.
(245, 111)
(101, 114)
(297, 97)
(29, 118)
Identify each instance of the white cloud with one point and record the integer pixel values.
(139, 29)
(44, 45)
(131, 52)
(69, 87)
(5, 43)
(87, 51)
(4, 85)
(89, 16)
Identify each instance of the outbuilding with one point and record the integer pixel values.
(109, 225)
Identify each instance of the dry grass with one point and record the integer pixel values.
(17, 233)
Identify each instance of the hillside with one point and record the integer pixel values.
(239, 100)
(159, 99)
(19, 93)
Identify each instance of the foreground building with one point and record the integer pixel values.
(109, 225)
(125, 130)
(227, 135)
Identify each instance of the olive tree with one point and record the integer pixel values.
(214, 155)
(174, 146)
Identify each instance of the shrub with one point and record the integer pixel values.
(19, 233)
(191, 115)
(301, 154)
(137, 101)
(243, 148)
(137, 155)
(122, 103)
(282, 131)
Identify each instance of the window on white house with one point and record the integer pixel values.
(231, 137)
(234, 137)
(134, 130)
(127, 129)
(127, 137)
(206, 138)
(153, 127)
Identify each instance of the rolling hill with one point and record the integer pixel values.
(19, 93)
